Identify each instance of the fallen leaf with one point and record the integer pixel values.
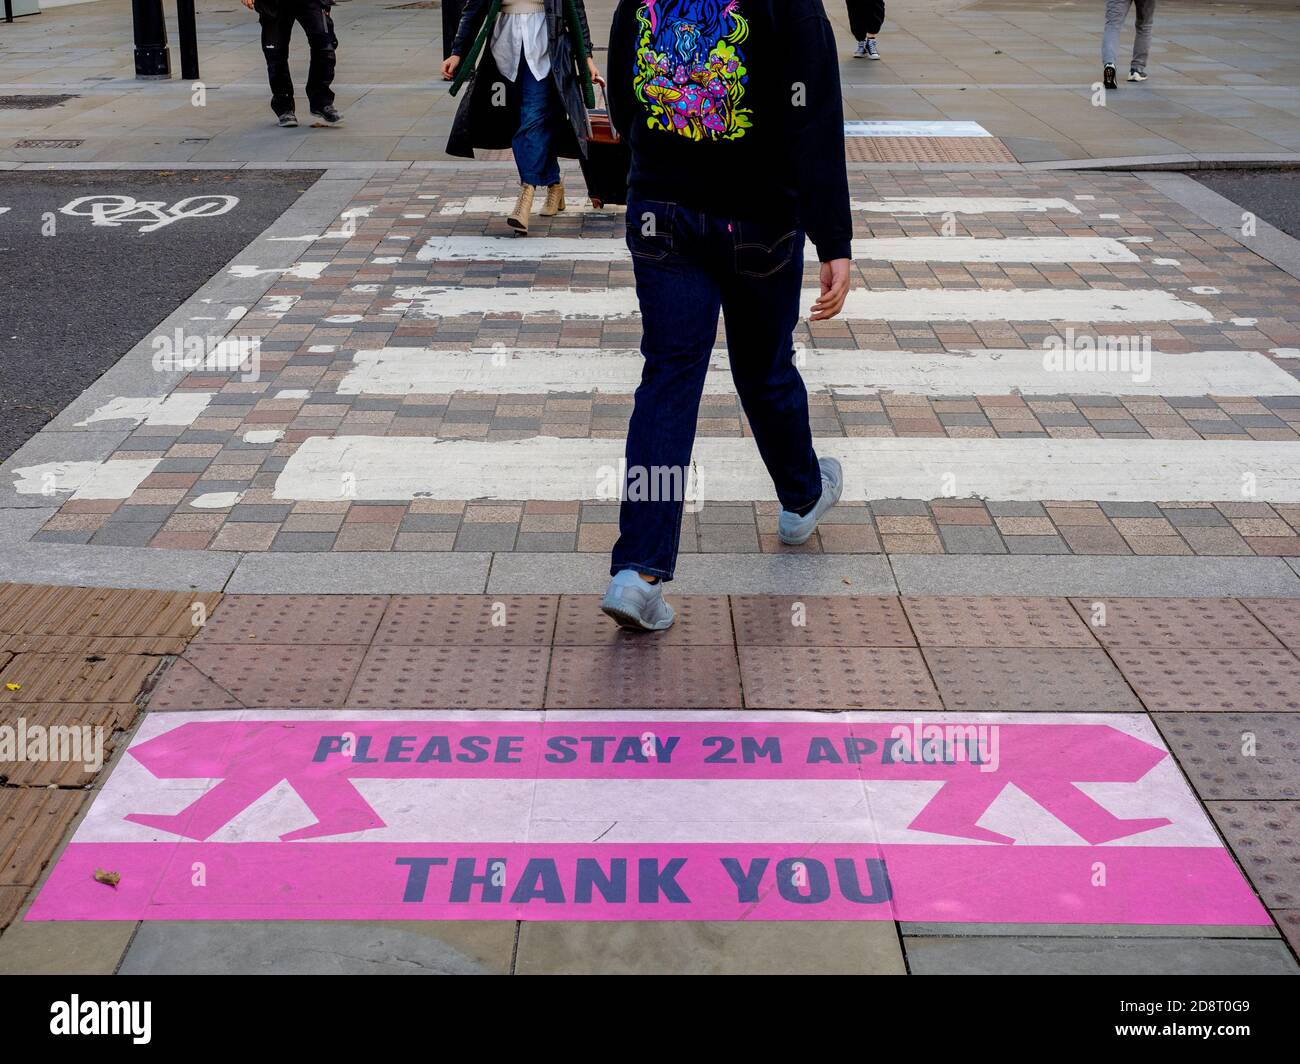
(111, 878)
(13, 687)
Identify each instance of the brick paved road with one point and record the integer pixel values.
(1166, 500)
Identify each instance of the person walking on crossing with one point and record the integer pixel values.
(865, 19)
(277, 18)
(733, 114)
(530, 91)
(1116, 11)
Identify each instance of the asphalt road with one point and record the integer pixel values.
(72, 303)
(1273, 195)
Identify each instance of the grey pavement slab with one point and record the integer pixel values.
(1193, 577)
(361, 572)
(1023, 69)
(701, 574)
(93, 947)
(52, 446)
(1029, 955)
(1092, 931)
(142, 567)
(813, 947)
(330, 947)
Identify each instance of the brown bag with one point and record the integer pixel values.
(608, 158)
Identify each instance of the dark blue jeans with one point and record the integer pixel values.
(534, 140)
(689, 265)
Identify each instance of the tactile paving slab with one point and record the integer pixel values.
(1211, 623)
(114, 719)
(836, 678)
(996, 622)
(821, 621)
(1265, 836)
(76, 677)
(92, 645)
(702, 620)
(32, 821)
(644, 674)
(11, 900)
(1236, 755)
(1280, 616)
(290, 676)
(926, 150)
(468, 620)
(37, 609)
(451, 677)
(182, 687)
(1223, 681)
(300, 619)
(1289, 921)
(1029, 679)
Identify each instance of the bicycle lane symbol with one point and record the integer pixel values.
(149, 215)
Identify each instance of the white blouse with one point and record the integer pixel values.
(521, 34)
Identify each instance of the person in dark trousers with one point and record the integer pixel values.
(277, 18)
(530, 91)
(865, 19)
(1116, 11)
(732, 112)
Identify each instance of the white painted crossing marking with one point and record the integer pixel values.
(964, 205)
(1050, 249)
(114, 479)
(402, 468)
(912, 304)
(308, 271)
(421, 371)
(345, 232)
(884, 127)
(885, 205)
(178, 408)
(503, 204)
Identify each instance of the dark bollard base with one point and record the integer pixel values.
(153, 64)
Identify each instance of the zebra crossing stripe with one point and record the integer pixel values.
(1044, 250)
(510, 371)
(899, 305)
(726, 469)
(885, 205)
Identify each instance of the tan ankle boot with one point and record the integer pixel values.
(518, 218)
(554, 200)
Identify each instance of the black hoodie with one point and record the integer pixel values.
(733, 107)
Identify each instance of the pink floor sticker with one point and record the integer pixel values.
(1042, 818)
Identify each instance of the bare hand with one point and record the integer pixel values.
(835, 289)
(248, 4)
(593, 69)
(449, 66)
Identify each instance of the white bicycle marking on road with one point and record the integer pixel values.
(150, 215)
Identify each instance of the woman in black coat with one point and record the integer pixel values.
(530, 90)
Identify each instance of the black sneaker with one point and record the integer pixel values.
(1108, 78)
(289, 120)
(1137, 75)
(328, 115)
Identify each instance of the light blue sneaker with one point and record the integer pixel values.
(794, 529)
(636, 604)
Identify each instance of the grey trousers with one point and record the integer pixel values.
(1116, 10)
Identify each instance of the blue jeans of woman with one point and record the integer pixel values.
(534, 141)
